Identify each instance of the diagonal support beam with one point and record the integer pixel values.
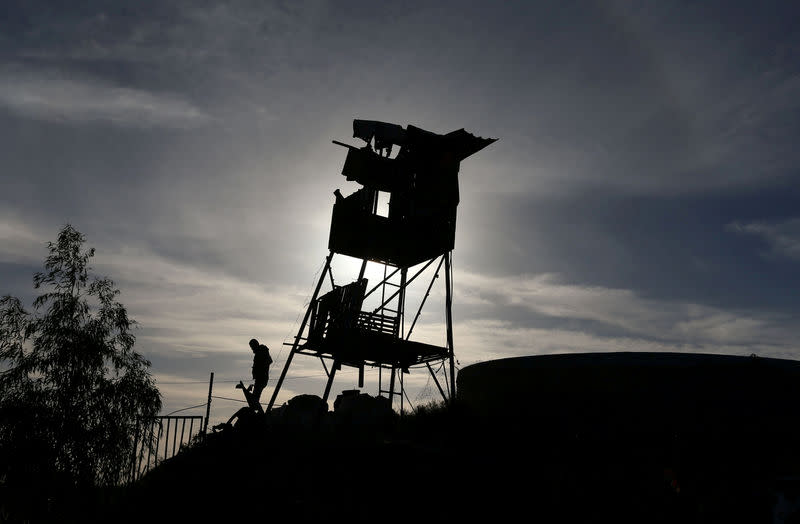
(382, 282)
(428, 292)
(404, 284)
(300, 332)
(433, 374)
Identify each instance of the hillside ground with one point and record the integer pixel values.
(442, 463)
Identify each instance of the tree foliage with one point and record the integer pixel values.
(73, 389)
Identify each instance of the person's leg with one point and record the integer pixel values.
(257, 389)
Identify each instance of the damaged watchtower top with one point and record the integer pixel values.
(459, 143)
(422, 182)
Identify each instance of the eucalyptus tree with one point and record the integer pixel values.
(74, 391)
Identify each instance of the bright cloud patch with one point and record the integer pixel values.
(782, 237)
(53, 97)
(643, 324)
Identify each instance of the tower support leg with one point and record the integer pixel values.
(448, 268)
(300, 331)
(391, 385)
(334, 367)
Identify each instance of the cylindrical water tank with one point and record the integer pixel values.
(616, 393)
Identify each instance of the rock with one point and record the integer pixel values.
(304, 411)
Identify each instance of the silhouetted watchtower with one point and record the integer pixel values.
(421, 185)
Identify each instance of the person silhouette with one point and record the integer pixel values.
(261, 362)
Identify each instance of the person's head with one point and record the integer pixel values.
(253, 344)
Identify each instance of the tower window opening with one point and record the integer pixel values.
(382, 209)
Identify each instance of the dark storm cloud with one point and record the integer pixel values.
(643, 100)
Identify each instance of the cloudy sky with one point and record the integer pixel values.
(643, 194)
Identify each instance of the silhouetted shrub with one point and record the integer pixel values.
(74, 390)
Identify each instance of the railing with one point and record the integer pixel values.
(167, 434)
(378, 322)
